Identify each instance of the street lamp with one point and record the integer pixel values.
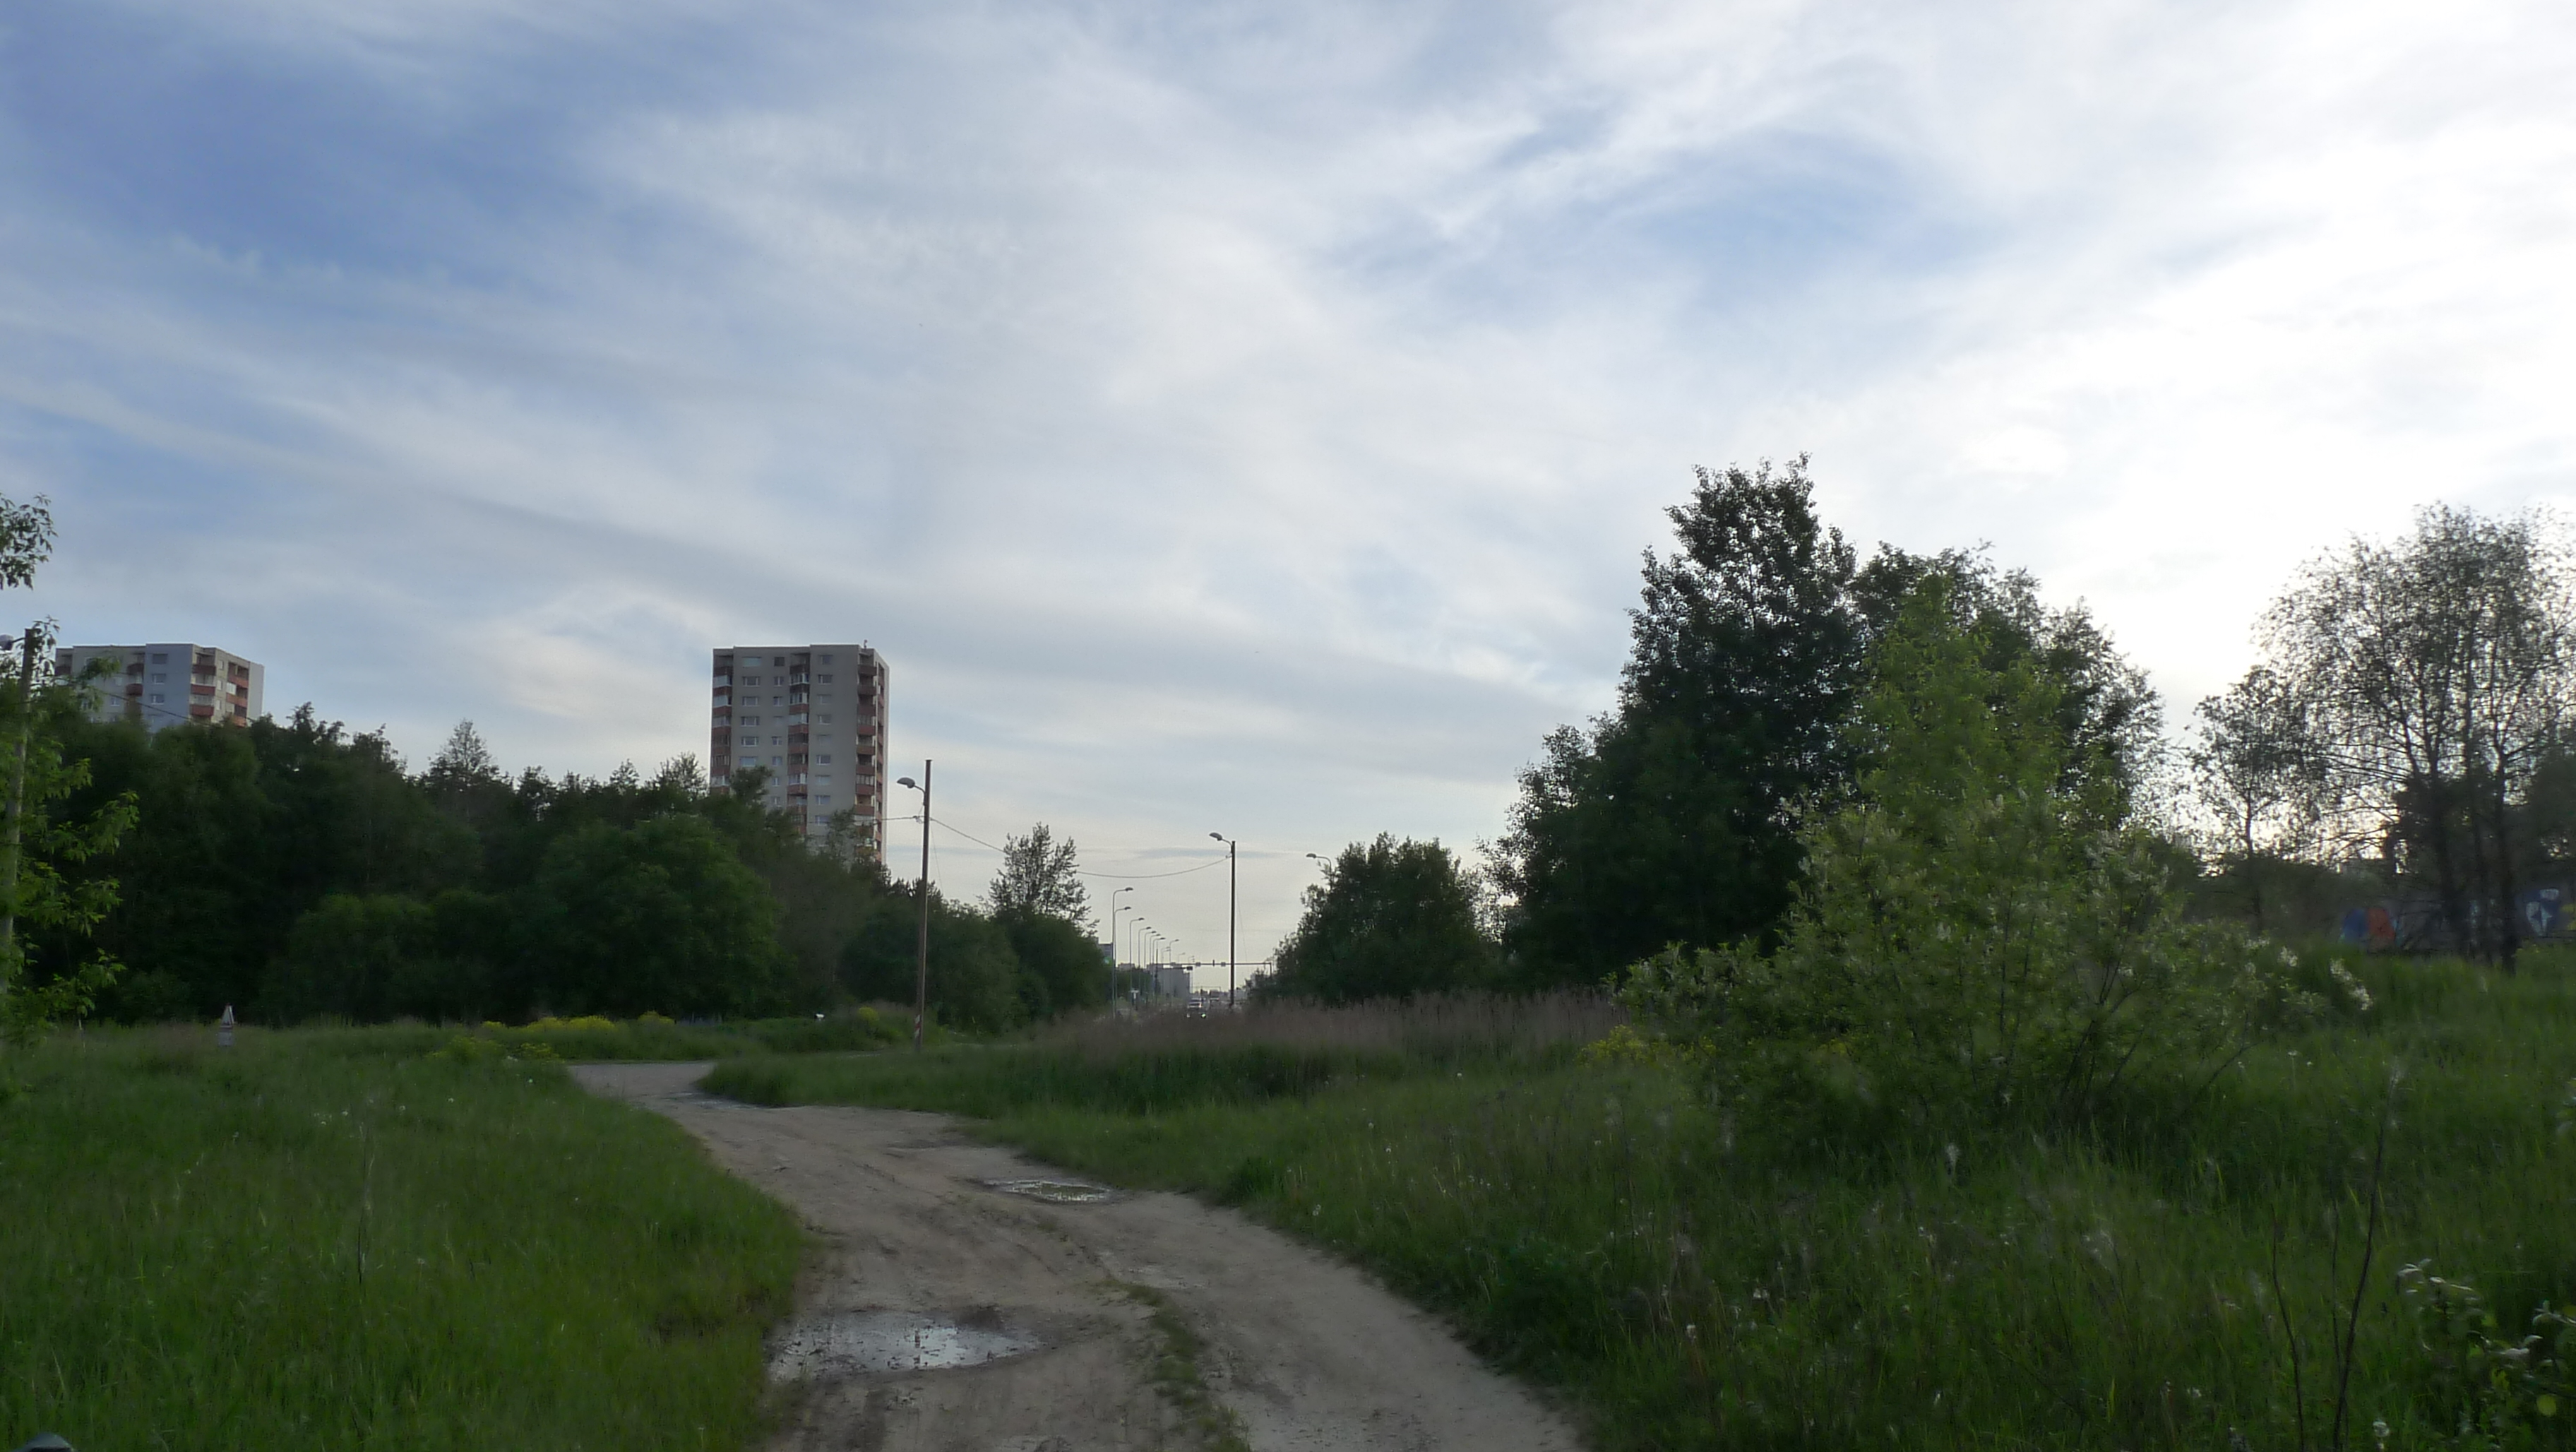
(1229, 916)
(1114, 906)
(921, 961)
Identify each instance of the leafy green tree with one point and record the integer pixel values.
(45, 915)
(974, 975)
(660, 917)
(51, 907)
(1981, 933)
(1039, 876)
(1390, 920)
(2257, 772)
(2437, 675)
(1673, 817)
(352, 957)
(1060, 966)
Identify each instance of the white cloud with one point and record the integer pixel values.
(1235, 418)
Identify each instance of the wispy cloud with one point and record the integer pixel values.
(1226, 417)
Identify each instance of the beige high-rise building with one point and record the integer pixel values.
(813, 717)
(166, 684)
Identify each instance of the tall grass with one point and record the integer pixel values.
(1823, 1277)
(323, 1240)
(1163, 1061)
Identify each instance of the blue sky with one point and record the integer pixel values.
(1224, 416)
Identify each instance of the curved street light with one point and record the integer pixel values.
(1229, 915)
(1113, 945)
(921, 961)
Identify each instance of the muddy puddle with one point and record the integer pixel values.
(858, 1342)
(1054, 1192)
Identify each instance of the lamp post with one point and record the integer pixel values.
(921, 962)
(1229, 916)
(1114, 906)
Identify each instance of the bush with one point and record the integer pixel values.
(1980, 934)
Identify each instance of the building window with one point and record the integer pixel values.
(826, 677)
(777, 741)
(778, 660)
(158, 677)
(827, 660)
(827, 718)
(154, 698)
(776, 761)
(823, 760)
(746, 741)
(160, 657)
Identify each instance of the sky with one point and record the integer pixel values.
(1228, 417)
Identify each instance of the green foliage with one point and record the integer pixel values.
(1038, 878)
(355, 958)
(658, 917)
(323, 1240)
(1676, 818)
(1979, 932)
(975, 980)
(1670, 818)
(1687, 1274)
(294, 870)
(2500, 1393)
(54, 904)
(1060, 967)
(1390, 920)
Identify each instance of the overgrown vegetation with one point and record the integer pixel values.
(1825, 1272)
(329, 1240)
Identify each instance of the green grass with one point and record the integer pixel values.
(324, 1240)
(600, 1040)
(1686, 1276)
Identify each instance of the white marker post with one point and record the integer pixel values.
(224, 1029)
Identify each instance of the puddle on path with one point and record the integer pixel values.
(867, 1341)
(1055, 1192)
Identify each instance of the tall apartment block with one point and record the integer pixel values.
(815, 717)
(166, 684)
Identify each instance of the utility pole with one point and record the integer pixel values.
(15, 812)
(921, 962)
(1114, 906)
(1229, 916)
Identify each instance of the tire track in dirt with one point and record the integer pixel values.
(929, 1266)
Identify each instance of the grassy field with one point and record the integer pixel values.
(334, 1240)
(1685, 1278)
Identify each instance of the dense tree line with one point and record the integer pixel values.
(2405, 741)
(294, 869)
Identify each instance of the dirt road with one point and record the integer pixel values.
(973, 1300)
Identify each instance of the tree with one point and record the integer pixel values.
(44, 914)
(1390, 920)
(2436, 675)
(1038, 877)
(2256, 769)
(661, 917)
(47, 969)
(1980, 935)
(974, 975)
(1060, 967)
(1673, 817)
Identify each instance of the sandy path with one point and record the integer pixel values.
(1305, 1351)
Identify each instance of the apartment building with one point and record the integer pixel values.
(813, 716)
(166, 684)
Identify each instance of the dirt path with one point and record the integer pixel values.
(950, 1313)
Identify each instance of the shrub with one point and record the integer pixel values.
(1980, 933)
